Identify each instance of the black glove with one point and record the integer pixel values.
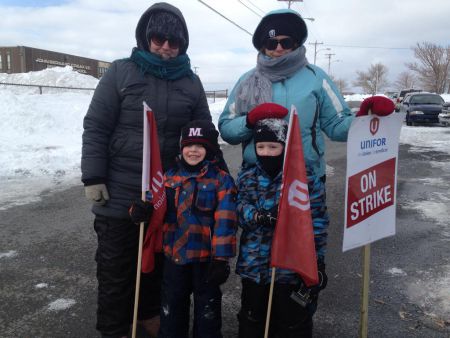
(266, 218)
(218, 272)
(140, 211)
(323, 278)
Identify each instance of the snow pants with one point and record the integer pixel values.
(116, 258)
(288, 319)
(179, 281)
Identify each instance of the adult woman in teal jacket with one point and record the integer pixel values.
(284, 76)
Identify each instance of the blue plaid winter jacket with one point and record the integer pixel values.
(200, 222)
(257, 191)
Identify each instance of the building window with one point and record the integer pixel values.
(8, 60)
(101, 71)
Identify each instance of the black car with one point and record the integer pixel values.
(422, 108)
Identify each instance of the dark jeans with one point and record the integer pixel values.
(179, 281)
(116, 258)
(287, 320)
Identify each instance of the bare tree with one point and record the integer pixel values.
(433, 66)
(374, 80)
(405, 80)
(341, 84)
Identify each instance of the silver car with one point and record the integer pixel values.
(444, 117)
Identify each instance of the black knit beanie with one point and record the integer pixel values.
(285, 23)
(166, 24)
(270, 130)
(201, 132)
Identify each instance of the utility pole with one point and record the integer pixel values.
(289, 2)
(329, 55)
(315, 49)
(195, 69)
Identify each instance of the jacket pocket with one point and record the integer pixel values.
(206, 200)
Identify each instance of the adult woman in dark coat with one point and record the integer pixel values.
(159, 73)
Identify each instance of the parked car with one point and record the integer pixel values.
(401, 96)
(392, 96)
(422, 108)
(444, 117)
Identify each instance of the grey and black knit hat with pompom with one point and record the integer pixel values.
(166, 24)
(270, 130)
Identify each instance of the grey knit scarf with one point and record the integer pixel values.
(257, 88)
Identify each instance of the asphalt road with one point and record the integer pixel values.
(47, 267)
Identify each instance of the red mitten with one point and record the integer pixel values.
(265, 111)
(378, 105)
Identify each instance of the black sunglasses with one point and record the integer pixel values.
(286, 43)
(159, 40)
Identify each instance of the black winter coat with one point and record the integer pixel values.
(112, 138)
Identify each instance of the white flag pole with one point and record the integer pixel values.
(269, 305)
(145, 187)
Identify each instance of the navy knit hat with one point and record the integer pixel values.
(201, 132)
(280, 22)
(166, 24)
(270, 130)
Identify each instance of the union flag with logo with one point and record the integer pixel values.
(293, 242)
(153, 190)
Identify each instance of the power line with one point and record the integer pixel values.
(259, 9)
(370, 47)
(223, 16)
(249, 8)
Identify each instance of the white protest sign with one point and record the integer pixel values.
(370, 193)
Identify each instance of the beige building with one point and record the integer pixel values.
(21, 59)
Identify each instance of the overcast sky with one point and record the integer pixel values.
(358, 32)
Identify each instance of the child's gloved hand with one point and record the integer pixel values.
(140, 211)
(266, 218)
(323, 279)
(378, 105)
(265, 111)
(218, 272)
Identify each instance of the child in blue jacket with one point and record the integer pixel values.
(199, 235)
(259, 188)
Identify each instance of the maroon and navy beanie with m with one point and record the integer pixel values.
(201, 132)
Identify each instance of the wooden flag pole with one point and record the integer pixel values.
(363, 322)
(138, 275)
(269, 305)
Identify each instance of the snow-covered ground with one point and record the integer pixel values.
(40, 146)
(40, 138)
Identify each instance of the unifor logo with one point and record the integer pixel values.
(195, 132)
(298, 195)
(374, 124)
(272, 33)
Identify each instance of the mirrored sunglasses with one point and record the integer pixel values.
(286, 43)
(159, 40)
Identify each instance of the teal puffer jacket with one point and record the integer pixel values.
(321, 110)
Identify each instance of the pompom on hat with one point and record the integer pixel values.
(280, 22)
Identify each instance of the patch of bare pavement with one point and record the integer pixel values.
(48, 284)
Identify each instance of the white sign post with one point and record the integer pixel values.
(370, 192)
(372, 152)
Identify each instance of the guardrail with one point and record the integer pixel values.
(214, 94)
(43, 86)
(217, 94)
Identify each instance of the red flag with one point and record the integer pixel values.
(293, 241)
(153, 187)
